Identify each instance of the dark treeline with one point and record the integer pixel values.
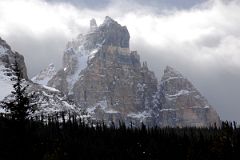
(73, 139)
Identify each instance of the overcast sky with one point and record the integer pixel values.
(200, 38)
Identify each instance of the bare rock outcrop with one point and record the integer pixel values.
(181, 104)
(102, 75)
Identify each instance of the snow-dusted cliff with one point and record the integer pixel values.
(181, 104)
(49, 100)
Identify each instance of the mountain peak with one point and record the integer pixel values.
(4, 46)
(169, 69)
(182, 104)
(114, 34)
(170, 72)
(108, 20)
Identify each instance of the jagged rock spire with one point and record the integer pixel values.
(108, 20)
(114, 34)
(182, 104)
(170, 72)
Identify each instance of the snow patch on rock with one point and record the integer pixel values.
(179, 93)
(140, 115)
(51, 88)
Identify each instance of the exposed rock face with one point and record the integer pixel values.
(181, 104)
(114, 34)
(105, 78)
(49, 100)
(8, 57)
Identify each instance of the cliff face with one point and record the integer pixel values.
(8, 57)
(104, 78)
(181, 104)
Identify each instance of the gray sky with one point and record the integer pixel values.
(200, 38)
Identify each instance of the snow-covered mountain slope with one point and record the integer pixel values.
(51, 101)
(45, 75)
(48, 100)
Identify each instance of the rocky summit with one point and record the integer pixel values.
(103, 77)
(181, 104)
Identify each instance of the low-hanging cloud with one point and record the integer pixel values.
(202, 41)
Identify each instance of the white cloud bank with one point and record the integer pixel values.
(202, 42)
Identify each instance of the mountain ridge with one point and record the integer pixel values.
(104, 79)
(109, 82)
